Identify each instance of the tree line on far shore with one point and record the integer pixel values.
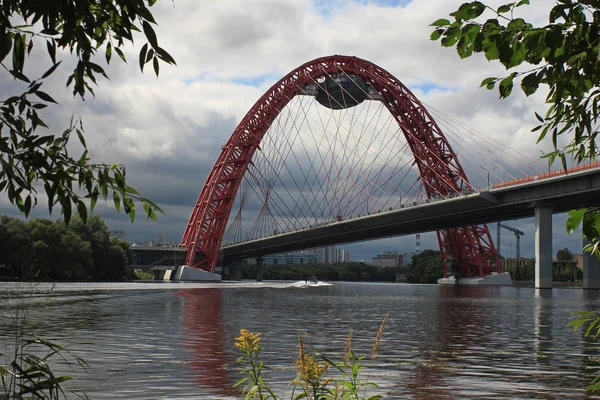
(424, 267)
(41, 249)
(351, 272)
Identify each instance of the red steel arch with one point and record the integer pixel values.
(471, 247)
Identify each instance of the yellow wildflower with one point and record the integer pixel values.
(247, 342)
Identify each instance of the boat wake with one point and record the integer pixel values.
(302, 284)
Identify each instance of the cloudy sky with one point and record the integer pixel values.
(169, 131)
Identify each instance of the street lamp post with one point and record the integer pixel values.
(488, 174)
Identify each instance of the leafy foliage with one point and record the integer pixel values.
(590, 217)
(41, 249)
(590, 322)
(351, 272)
(425, 267)
(564, 255)
(30, 160)
(523, 271)
(562, 55)
(29, 375)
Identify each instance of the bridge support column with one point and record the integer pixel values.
(259, 268)
(237, 266)
(543, 247)
(159, 275)
(591, 269)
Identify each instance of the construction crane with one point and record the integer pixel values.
(518, 235)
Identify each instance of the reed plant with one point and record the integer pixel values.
(26, 363)
(312, 368)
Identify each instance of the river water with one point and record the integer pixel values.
(175, 341)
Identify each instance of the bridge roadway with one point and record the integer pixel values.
(560, 193)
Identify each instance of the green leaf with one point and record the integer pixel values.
(96, 68)
(435, 35)
(464, 47)
(156, 66)
(120, 53)
(82, 210)
(539, 117)
(451, 37)
(145, 13)
(162, 53)
(51, 70)
(18, 53)
(41, 141)
(117, 201)
(19, 75)
(150, 34)
(93, 200)
(66, 207)
(441, 22)
(131, 210)
(595, 217)
(491, 51)
(504, 8)
(51, 47)
(5, 44)
(469, 10)
(519, 53)
(506, 85)
(27, 206)
(152, 204)
(45, 96)
(81, 138)
(143, 56)
(149, 55)
(489, 81)
(574, 219)
(149, 211)
(530, 84)
(108, 52)
(589, 226)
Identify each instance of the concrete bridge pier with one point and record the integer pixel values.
(259, 268)
(591, 269)
(237, 267)
(159, 275)
(543, 247)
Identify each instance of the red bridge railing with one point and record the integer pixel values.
(545, 175)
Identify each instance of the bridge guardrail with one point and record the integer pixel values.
(547, 175)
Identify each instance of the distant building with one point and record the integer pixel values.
(319, 255)
(295, 258)
(118, 234)
(389, 259)
(331, 254)
(578, 258)
(512, 262)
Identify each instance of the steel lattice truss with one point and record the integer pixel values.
(292, 164)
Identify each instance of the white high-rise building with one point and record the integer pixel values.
(331, 254)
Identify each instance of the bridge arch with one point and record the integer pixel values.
(471, 247)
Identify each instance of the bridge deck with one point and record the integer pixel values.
(561, 192)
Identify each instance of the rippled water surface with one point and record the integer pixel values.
(155, 340)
